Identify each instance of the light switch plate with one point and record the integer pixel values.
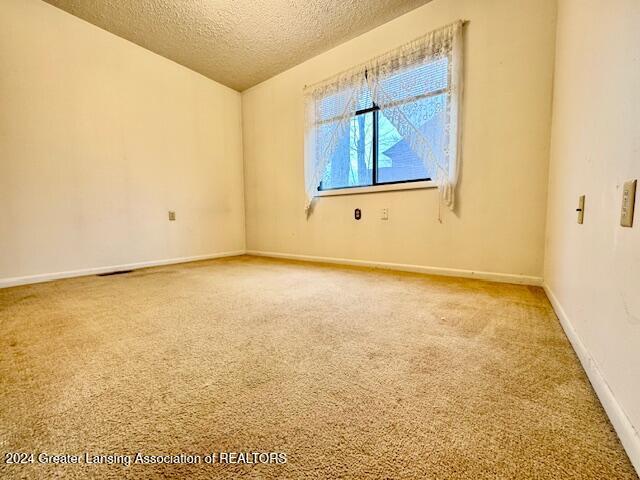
(628, 203)
(580, 209)
(172, 216)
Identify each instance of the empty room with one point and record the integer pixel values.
(320, 239)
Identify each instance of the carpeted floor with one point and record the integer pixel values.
(352, 373)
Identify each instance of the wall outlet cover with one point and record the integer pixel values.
(628, 203)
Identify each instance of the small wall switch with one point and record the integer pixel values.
(172, 216)
(628, 203)
(580, 209)
(384, 214)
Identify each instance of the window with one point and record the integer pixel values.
(391, 122)
(373, 152)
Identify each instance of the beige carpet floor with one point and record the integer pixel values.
(352, 373)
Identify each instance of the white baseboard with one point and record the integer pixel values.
(46, 277)
(624, 428)
(449, 272)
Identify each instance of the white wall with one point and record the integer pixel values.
(499, 226)
(592, 271)
(99, 138)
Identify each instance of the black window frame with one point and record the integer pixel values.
(375, 110)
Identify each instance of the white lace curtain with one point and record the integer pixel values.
(422, 103)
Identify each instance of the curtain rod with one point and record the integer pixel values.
(463, 22)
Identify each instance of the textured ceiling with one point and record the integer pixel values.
(238, 43)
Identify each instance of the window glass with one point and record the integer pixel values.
(416, 96)
(352, 163)
(397, 161)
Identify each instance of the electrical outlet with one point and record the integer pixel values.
(628, 203)
(172, 216)
(384, 214)
(580, 209)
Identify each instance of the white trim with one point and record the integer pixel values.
(377, 188)
(46, 277)
(449, 272)
(626, 432)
